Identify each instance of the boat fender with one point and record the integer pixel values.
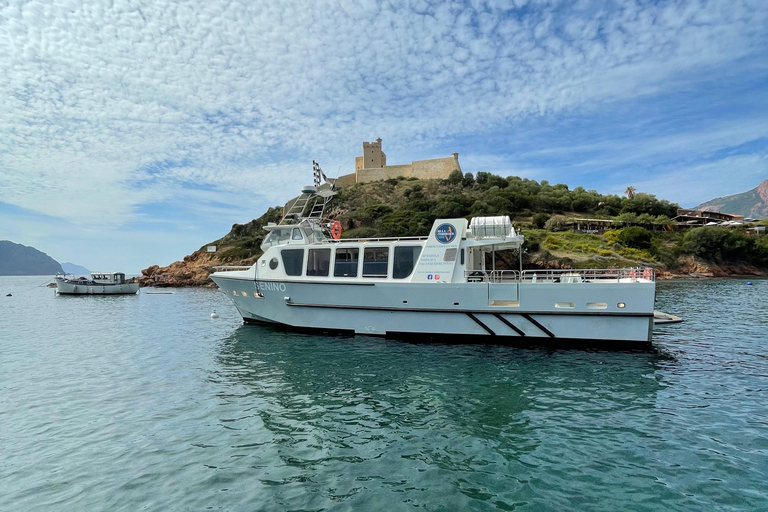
(336, 230)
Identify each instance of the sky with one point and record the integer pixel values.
(134, 132)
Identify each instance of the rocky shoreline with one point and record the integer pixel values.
(194, 270)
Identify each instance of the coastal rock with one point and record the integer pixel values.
(194, 270)
(692, 268)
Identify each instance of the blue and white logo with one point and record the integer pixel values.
(446, 233)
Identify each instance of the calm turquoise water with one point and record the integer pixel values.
(146, 403)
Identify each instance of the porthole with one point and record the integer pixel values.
(273, 263)
(621, 305)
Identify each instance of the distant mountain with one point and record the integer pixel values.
(71, 268)
(753, 203)
(20, 260)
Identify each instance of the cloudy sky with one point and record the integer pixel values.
(133, 132)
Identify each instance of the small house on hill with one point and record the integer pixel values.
(696, 218)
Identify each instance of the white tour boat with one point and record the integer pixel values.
(100, 283)
(441, 287)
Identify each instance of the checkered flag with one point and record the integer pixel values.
(315, 170)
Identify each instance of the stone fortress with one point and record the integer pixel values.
(372, 166)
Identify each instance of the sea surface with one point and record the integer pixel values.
(147, 403)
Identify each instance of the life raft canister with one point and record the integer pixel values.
(336, 230)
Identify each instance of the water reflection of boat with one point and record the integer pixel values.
(442, 285)
(100, 283)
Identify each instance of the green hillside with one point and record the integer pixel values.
(641, 230)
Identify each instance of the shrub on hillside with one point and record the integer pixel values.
(377, 211)
(455, 177)
(540, 220)
(635, 237)
(362, 232)
(719, 244)
(557, 223)
(405, 223)
(451, 207)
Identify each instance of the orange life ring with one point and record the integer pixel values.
(336, 230)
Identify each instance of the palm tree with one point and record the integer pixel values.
(630, 192)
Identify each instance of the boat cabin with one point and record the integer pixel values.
(108, 277)
(453, 251)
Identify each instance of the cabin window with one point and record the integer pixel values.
(404, 260)
(297, 234)
(318, 262)
(278, 235)
(375, 261)
(346, 262)
(292, 261)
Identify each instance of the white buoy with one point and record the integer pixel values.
(214, 314)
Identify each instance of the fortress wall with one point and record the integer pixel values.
(438, 168)
(347, 180)
(393, 171)
(368, 175)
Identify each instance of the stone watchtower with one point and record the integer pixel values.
(373, 157)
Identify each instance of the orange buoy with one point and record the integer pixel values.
(336, 230)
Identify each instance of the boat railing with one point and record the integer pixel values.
(561, 275)
(232, 268)
(588, 275)
(378, 239)
(492, 276)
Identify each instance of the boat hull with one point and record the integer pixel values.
(524, 313)
(65, 287)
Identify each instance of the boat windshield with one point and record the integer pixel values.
(278, 235)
